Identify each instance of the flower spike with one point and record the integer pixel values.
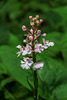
(32, 44)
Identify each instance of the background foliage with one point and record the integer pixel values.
(53, 77)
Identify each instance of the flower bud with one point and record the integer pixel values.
(19, 46)
(32, 24)
(44, 34)
(30, 17)
(43, 41)
(30, 37)
(24, 28)
(34, 19)
(37, 21)
(24, 41)
(41, 20)
(31, 31)
(37, 16)
(39, 31)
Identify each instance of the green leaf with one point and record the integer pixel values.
(23, 92)
(63, 1)
(37, 5)
(12, 64)
(14, 41)
(61, 92)
(5, 81)
(4, 34)
(52, 75)
(2, 69)
(13, 8)
(16, 30)
(30, 98)
(8, 95)
(64, 47)
(63, 12)
(30, 84)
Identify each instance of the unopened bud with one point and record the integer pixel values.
(24, 41)
(41, 20)
(44, 34)
(31, 31)
(31, 37)
(39, 31)
(37, 16)
(30, 17)
(37, 21)
(32, 24)
(24, 28)
(34, 19)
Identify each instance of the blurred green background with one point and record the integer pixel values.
(53, 77)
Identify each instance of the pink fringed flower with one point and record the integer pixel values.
(21, 50)
(26, 63)
(39, 48)
(38, 65)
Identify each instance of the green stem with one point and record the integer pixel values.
(35, 92)
(35, 79)
(35, 85)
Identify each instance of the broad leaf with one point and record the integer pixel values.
(52, 75)
(12, 64)
(64, 47)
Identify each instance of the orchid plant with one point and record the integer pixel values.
(32, 48)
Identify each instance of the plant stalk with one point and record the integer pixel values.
(35, 78)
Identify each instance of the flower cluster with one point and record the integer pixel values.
(32, 44)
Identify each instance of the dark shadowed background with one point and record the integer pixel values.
(53, 77)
